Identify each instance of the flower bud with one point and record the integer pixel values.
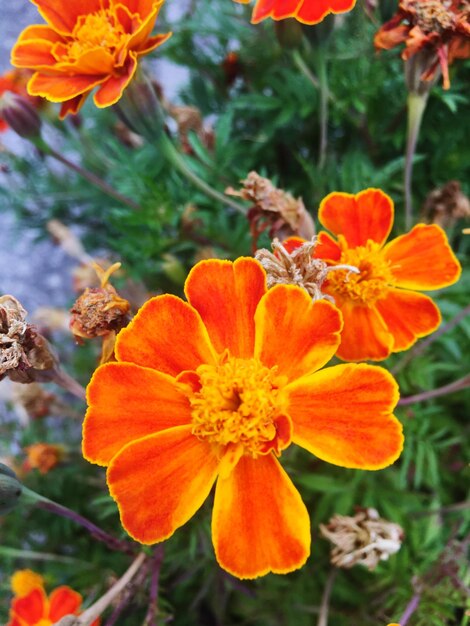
(289, 33)
(10, 489)
(20, 115)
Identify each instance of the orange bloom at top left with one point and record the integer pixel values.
(86, 44)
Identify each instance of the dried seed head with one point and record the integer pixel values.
(298, 267)
(33, 401)
(364, 539)
(43, 456)
(446, 204)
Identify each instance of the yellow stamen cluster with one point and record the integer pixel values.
(96, 30)
(375, 276)
(236, 404)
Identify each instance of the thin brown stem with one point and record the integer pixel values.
(410, 609)
(458, 385)
(151, 618)
(71, 385)
(325, 601)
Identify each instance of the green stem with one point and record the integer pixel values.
(416, 106)
(323, 113)
(303, 67)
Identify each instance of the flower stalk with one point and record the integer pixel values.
(458, 385)
(416, 104)
(325, 601)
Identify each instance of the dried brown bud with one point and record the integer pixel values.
(364, 539)
(274, 210)
(189, 119)
(20, 115)
(446, 204)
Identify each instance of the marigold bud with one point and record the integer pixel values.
(289, 33)
(10, 489)
(20, 115)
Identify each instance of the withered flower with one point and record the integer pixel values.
(435, 33)
(43, 457)
(445, 205)
(32, 401)
(25, 355)
(292, 263)
(274, 210)
(364, 539)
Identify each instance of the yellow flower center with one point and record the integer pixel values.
(237, 404)
(96, 30)
(375, 276)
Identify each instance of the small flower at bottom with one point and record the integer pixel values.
(212, 391)
(382, 308)
(32, 607)
(305, 11)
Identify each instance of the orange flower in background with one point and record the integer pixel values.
(305, 11)
(86, 44)
(382, 309)
(32, 607)
(43, 457)
(437, 29)
(212, 391)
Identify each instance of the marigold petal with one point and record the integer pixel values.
(111, 90)
(33, 48)
(226, 295)
(140, 36)
(313, 11)
(73, 106)
(366, 215)
(128, 402)
(365, 335)
(63, 601)
(61, 88)
(423, 259)
(142, 7)
(294, 333)
(167, 334)
(276, 9)
(159, 482)
(62, 14)
(259, 522)
(342, 415)
(408, 316)
(152, 42)
(31, 608)
(326, 248)
(95, 62)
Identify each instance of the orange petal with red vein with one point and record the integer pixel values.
(128, 402)
(161, 481)
(259, 522)
(326, 248)
(33, 54)
(365, 335)
(276, 9)
(367, 215)
(226, 295)
(343, 416)
(294, 333)
(31, 608)
(313, 11)
(60, 88)
(73, 106)
(422, 259)
(408, 316)
(167, 334)
(62, 14)
(63, 601)
(111, 90)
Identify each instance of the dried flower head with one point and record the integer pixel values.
(273, 209)
(293, 263)
(364, 539)
(445, 205)
(435, 32)
(25, 355)
(32, 401)
(43, 456)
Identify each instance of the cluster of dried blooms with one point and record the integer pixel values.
(445, 205)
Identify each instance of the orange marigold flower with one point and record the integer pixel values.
(382, 309)
(86, 44)
(305, 11)
(214, 389)
(35, 608)
(437, 29)
(43, 456)
(24, 581)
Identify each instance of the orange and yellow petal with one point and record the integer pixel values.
(167, 334)
(73, 106)
(128, 402)
(327, 248)
(144, 30)
(366, 215)
(259, 522)
(24, 581)
(422, 259)
(365, 335)
(111, 89)
(295, 334)
(159, 482)
(142, 7)
(343, 416)
(226, 295)
(151, 43)
(306, 11)
(31, 608)
(61, 87)
(63, 601)
(34, 48)
(62, 15)
(408, 316)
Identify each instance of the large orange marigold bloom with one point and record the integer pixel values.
(86, 44)
(382, 309)
(35, 608)
(305, 11)
(212, 391)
